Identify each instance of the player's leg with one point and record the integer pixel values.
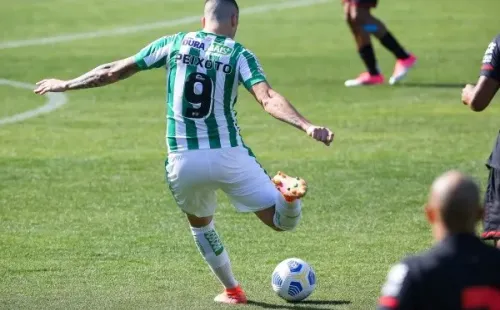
(251, 190)
(405, 61)
(363, 43)
(213, 251)
(188, 176)
(286, 213)
(492, 208)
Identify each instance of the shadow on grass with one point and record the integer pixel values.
(432, 85)
(307, 304)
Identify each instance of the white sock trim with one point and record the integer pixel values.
(287, 215)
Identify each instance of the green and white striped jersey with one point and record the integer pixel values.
(203, 72)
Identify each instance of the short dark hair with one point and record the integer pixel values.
(233, 2)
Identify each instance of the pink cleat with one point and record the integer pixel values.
(232, 296)
(365, 79)
(291, 188)
(401, 69)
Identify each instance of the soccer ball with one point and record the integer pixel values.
(293, 279)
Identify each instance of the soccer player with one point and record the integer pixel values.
(206, 151)
(478, 98)
(460, 272)
(363, 24)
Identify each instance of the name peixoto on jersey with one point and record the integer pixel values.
(204, 71)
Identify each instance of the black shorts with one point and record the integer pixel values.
(363, 3)
(492, 207)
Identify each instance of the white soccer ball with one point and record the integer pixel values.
(293, 279)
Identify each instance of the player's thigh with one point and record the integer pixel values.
(346, 5)
(492, 206)
(188, 177)
(245, 181)
(360, 15)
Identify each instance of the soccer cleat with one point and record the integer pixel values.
(365, 79)
(232, 296)
(291, 188)
(401, 69)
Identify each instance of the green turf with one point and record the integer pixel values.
(88, 223)
(16, 100)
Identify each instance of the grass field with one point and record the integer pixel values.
(88, 223)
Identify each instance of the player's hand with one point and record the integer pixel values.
(321, 134)
(467, 93)
(50, 85)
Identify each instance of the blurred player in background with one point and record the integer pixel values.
(478, 98)
(363, 24)
(460, 272)
(206, 151)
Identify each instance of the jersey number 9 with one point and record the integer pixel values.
(198, 92)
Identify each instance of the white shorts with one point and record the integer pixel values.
(194, 176)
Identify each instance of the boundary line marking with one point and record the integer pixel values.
(150, 26)
(54, 101)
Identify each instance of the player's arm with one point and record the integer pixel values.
(278, 106)
(400, 291)
(100, 76)
(152, 56)
(479, 97)
(253, 78)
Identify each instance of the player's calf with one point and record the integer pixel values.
(213, 251)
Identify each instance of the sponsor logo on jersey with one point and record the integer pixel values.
(221, 49)
(208, 64)
(194, 43)
(488, 55)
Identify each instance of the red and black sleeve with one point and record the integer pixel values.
(491, 60)
(400, 291)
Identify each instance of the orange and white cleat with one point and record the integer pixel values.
(365, 79)
(291, 188)
(232, 296)
(401, 69)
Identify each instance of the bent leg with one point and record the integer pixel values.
(285, 215)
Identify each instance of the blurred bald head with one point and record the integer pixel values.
(455, 198)
(221, 17)
(221, 10)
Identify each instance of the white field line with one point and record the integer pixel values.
(151, 26)
(54, 101)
